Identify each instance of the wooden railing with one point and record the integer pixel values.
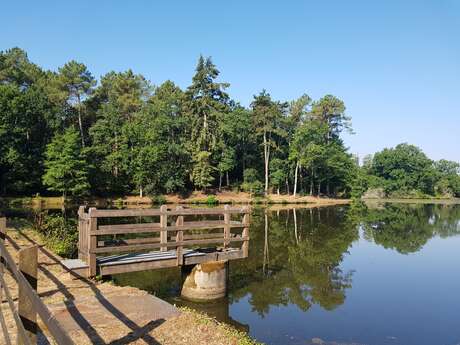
(172, 228)
(29, 303)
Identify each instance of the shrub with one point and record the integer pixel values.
(159, 199)
(59, 233)
(251, 182)
(212, 200)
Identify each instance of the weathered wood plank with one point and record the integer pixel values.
(120, 241)
(151, 256)
(92, 243)
(138, 266)
(226, 227)
(158, 212)
(140, 247)
(179, 238)
(194, 225)
(203, 236)
(6, 335)
(130, 226)
(48, 319)
(28, 267)
(22, 334)
(245, 234)
(163, 225)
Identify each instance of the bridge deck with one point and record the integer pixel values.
(134, 262)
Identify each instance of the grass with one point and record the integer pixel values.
(234, 336)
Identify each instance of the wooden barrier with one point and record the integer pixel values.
(171, 230)
(29, 303)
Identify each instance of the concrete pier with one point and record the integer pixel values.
(205, 281)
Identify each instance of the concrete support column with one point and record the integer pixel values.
(205, 282)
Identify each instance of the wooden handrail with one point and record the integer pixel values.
(95, 213)
(37, 305)
(170, 225)
(155, 227)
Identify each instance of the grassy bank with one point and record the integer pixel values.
(198, 198)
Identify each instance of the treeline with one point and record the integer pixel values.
(405, 171)
(62, 132)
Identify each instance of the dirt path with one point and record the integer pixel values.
(102, 313)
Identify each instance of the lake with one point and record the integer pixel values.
(378, 274)
(375, 274)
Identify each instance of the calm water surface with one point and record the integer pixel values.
(378, 275)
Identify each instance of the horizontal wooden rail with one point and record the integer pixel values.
(95, 213)
(141, 247)
(147, 228)
(29, 297)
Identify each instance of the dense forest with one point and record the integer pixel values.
(65, 133)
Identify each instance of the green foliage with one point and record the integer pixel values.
(405, 171)
(135, 137)
(60, 233)
(202, 170)
(268, 117)
(77, 83)
(65, 165)
(251, 182)
(279, 171)
(159, 199)
(212, 200)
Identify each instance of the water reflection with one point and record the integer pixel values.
(408, 227)
(295, 259)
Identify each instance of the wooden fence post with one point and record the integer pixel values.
(245, 233)
(227, 226)
(163, 225)
(2, 241)
(27, 313)
(81, 234)
(92, 243)
(6, 335)
(179, 238)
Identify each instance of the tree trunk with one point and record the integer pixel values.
(319, 187)
(115, 169)
(266, 254)
(267, 160)
(311, 182)
(278, 190)
(327, 189)
(287, 186)
(80, 122)
(295, 178)
(220, 182)
(295, 225)
(228, 180)
(141, 192)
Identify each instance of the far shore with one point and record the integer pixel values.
(226, 197)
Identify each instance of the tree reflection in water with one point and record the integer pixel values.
(406, 228)
(300, 258)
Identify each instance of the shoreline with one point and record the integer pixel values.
(198, 198)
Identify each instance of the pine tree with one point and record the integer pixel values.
(206, 101)
(65, 165)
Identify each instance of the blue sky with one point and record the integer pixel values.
(396, 64)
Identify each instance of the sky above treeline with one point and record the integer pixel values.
(396, 64)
